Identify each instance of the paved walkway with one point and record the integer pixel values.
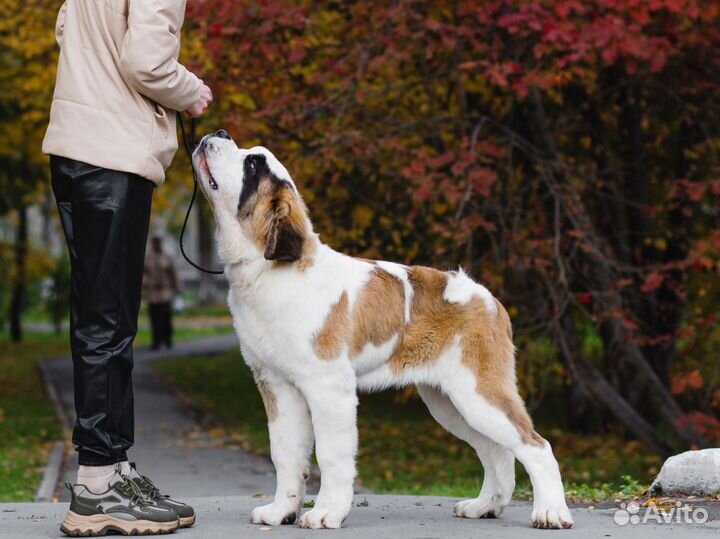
(224, 484)
(376, 517)
(169, 445)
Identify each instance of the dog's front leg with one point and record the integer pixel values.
(291, 440)
(333, 405)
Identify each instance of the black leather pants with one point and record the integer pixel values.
(105, 215)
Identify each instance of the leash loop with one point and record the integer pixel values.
(189, 146)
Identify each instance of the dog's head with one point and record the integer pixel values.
(252, 188)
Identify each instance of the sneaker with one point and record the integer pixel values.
(122, 509)
(152, 493)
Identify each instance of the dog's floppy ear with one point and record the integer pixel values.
(286, 234)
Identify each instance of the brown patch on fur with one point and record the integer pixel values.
(268, 398)
(379, 312)
(329, 342)
(377, 315)
(488, 351)
(433, 322)
(485, 340)
(279, 221)
(305, 263)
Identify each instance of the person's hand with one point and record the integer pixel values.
(201, 105)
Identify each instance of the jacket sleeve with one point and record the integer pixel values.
(60, 24)
(148, 59)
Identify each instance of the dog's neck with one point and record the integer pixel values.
(242, 256)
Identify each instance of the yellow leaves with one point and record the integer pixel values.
(362, 216)
(241, 100)
(27, 72)
(440, 208)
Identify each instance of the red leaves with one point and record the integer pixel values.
(652, 283)
(706, 425)
(441, 160)
(297, 53)
(583, 36)
(715, 399)
(658, 61)
(682, 382)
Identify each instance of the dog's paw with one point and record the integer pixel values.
(480, 507)
(552, 516)
(273, 514)
(322, 517)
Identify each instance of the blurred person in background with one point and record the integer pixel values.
(160, 287)
(111, 137)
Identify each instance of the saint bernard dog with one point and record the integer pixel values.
(317, 326)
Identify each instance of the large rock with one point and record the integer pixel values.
(695, 473)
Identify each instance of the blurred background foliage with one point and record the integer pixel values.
(563, 152)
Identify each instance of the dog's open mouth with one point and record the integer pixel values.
(203, 165)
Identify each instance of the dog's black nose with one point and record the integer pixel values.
(222, 134)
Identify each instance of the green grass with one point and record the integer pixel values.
(28, 425)
(211, 314)
(143, 338)
(402, 450)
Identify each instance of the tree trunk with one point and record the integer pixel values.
(19, 287)
(602, 276)
(660, 310)
(604, 393)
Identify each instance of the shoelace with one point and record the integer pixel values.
(152, 491)
(128, 488)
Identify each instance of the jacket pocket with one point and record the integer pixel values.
(164, 139)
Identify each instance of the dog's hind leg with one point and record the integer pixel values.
(507, 423)
(497, 461)
(291, 441)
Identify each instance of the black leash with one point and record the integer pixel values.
(189, 146)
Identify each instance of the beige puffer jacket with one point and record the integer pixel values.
(118, 85)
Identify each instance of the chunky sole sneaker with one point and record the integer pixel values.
(76, 525)
(122, 508)
(185, 512)
(187, 521)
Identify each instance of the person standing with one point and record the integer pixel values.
(110, 138)
(160, 286)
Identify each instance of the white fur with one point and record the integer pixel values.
(371, 357)
(461, 289)
(400, 272)
(277, 312)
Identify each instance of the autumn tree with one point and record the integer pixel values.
(28, 55)
(563, 151)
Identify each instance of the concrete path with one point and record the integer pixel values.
(374, 517)
(225, 483)
(169, 445)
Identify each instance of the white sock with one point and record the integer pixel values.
(97, 478)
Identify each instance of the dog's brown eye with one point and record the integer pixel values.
(251, 166)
